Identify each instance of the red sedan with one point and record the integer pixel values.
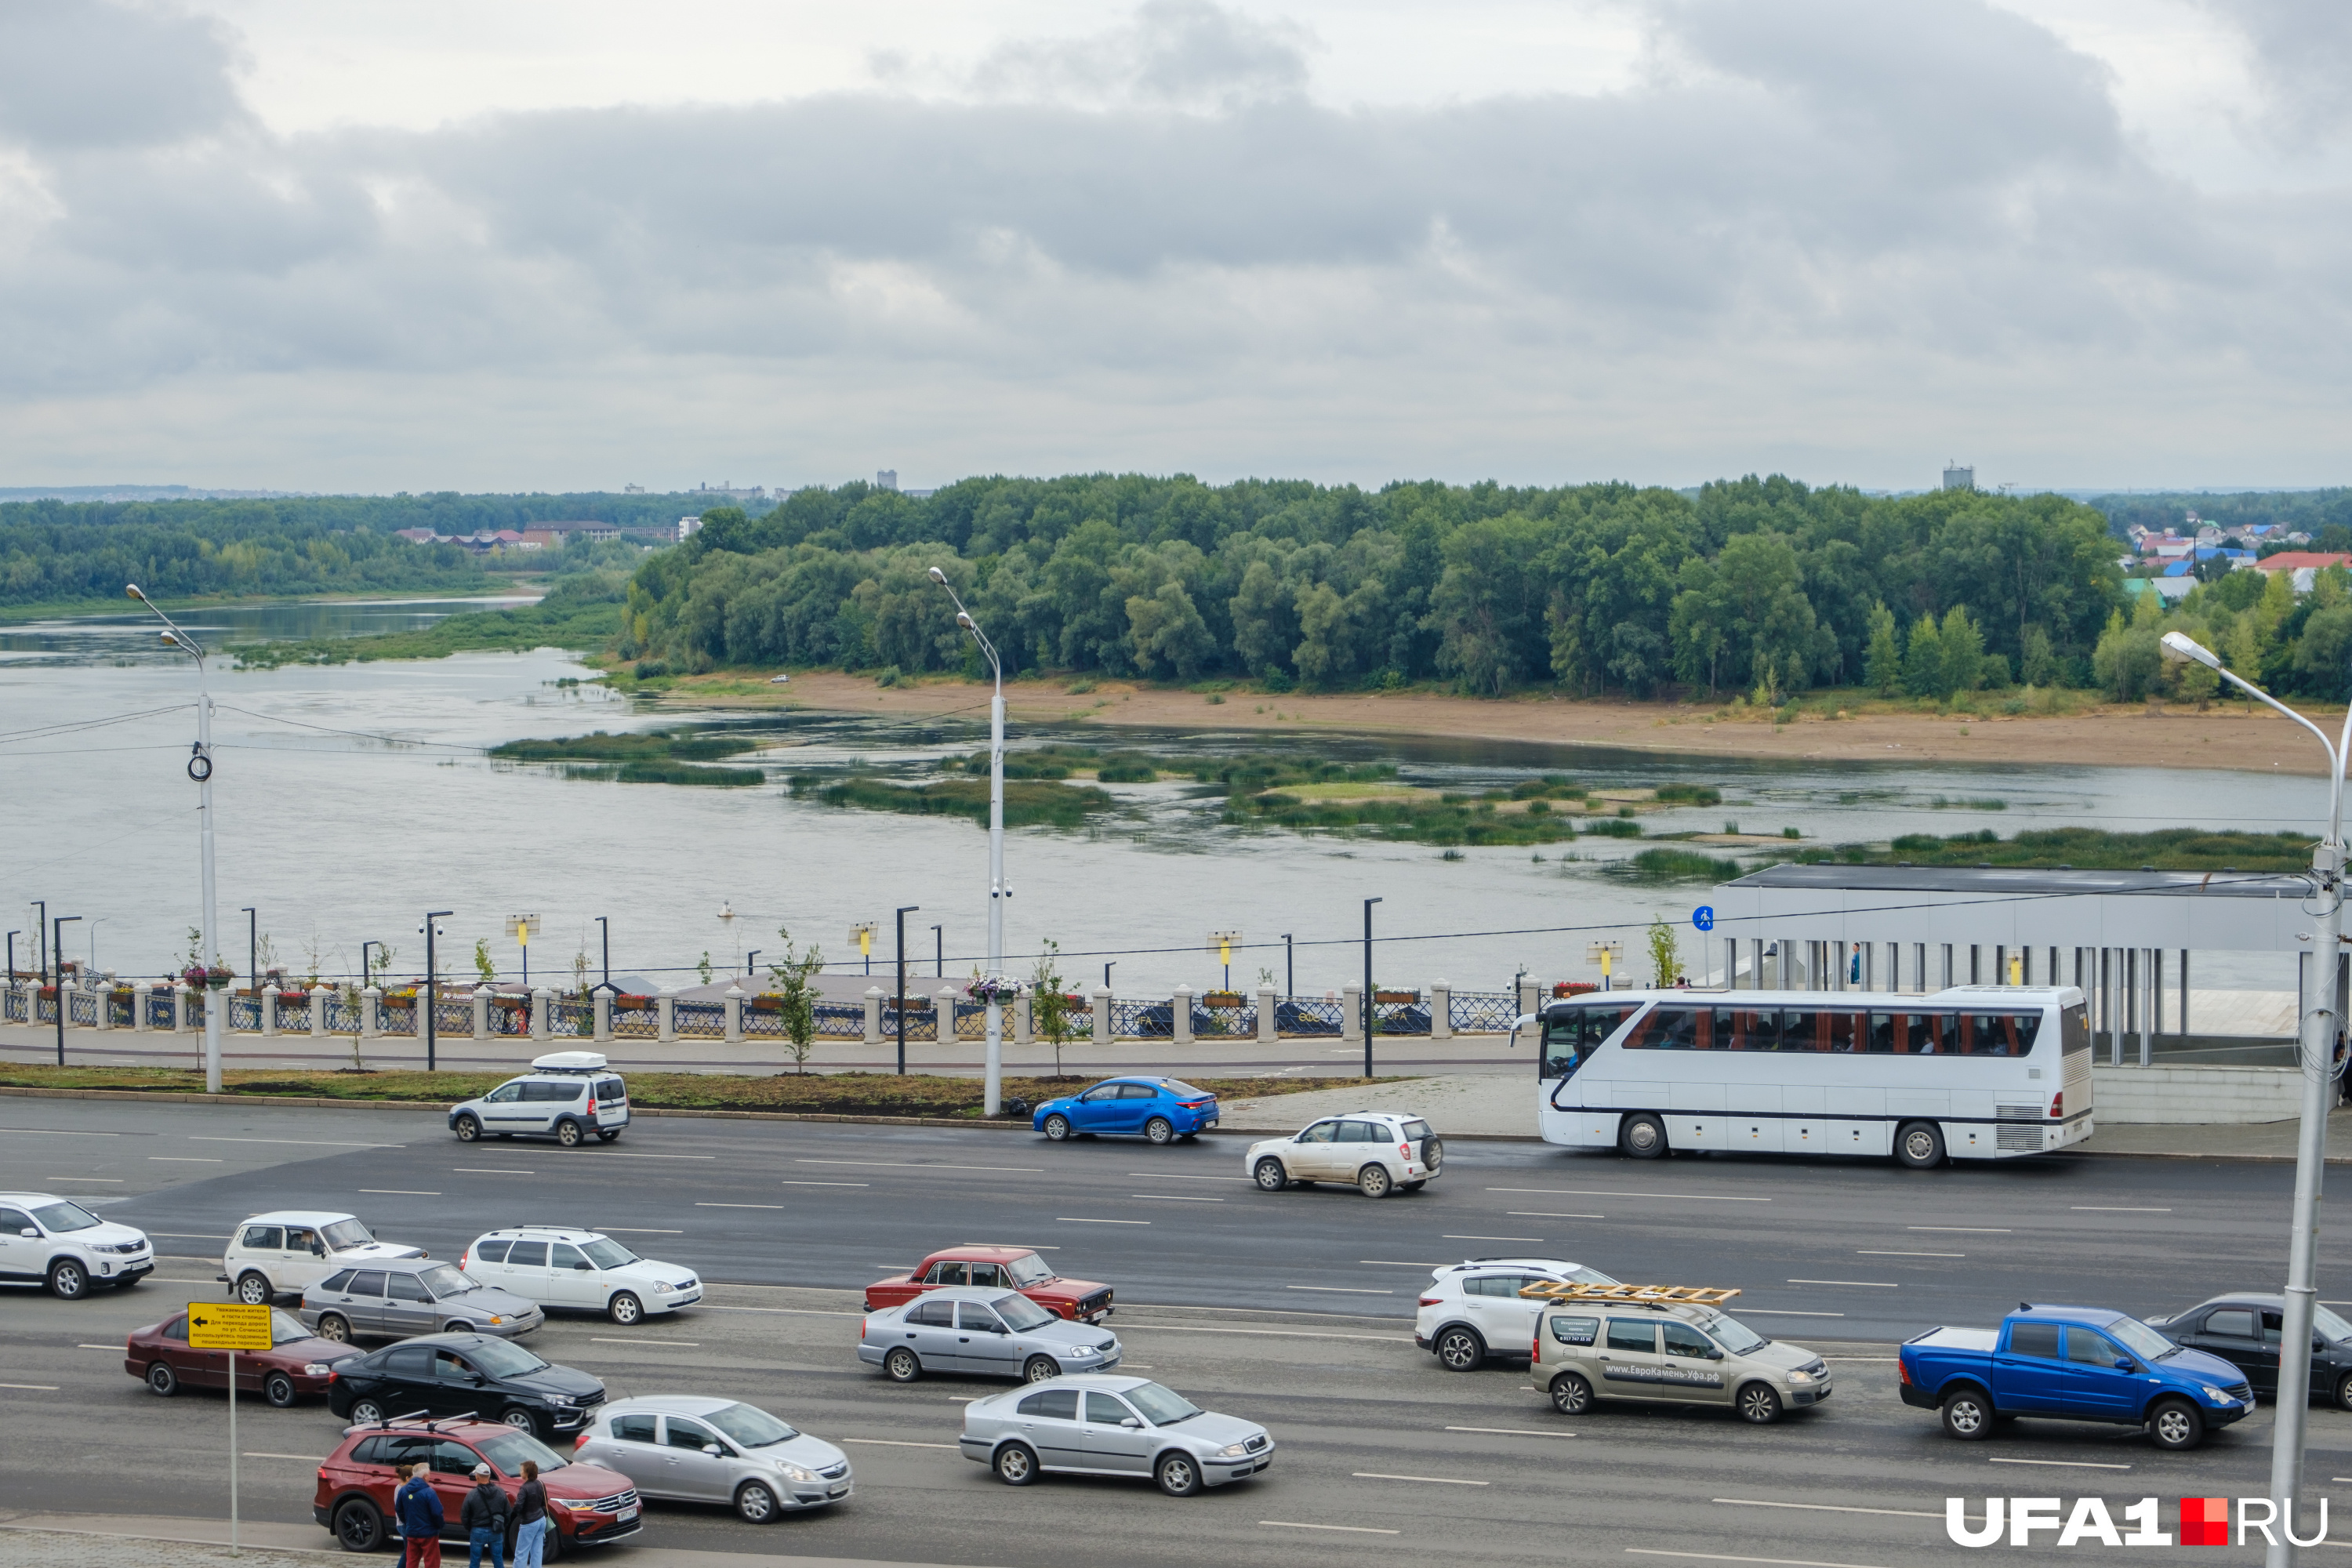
(1004, 1267)
(297, 1362)
(587, 1504)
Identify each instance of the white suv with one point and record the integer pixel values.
(48, 1241)
(567, 1095)
(579, 1268)
(1372, 1151)
(288, 1250)
(1474, 1309)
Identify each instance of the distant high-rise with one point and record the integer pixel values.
(1957, 477)
(887, 479)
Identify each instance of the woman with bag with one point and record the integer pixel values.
(531, 1519)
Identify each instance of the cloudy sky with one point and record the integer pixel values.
(573, 244)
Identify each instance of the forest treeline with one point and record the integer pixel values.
(1608, 589)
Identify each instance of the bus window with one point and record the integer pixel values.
(1678, 1028)
(2025, 1029)
(1733, 1030)
(1561, 1033)
(1991, 1034)
(1800, 1031)
(1890, 1034)
(1840, 1031)
(2075, 1028)
(1940, 1034)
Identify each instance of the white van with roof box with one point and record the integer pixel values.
(568, 1096)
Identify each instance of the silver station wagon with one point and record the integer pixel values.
(995, 1333)
(1112, 1427)
(407, 1296)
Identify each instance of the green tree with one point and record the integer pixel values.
(794, 976)
(1963, 651)
(484, 965)
(1049, 1000)
(1882, 665)
(1665, 953)
(1923, 659)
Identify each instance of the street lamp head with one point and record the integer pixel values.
(963, 619)
(2182, 648)
(131, 590)
(939, 576)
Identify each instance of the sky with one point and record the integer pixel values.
(563, 245)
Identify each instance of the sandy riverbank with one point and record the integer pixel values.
(2225, 736)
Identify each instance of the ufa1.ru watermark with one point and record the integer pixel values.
(2199, 1522)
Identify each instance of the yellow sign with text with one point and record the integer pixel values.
(216, 1326)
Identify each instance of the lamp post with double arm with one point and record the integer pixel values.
(2316, 1048)
(200, 768)
(997, 892)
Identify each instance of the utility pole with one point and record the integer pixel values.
(429, 992)
(604, 924)
(200, 768)
(939, 952)
(1372, 1013)
(997, 892)
(1289, 969)
(58, 945)
(903, 913)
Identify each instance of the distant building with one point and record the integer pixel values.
(633, 490)
(688, 527)
(594, 532)
(2300, 562)
(1957, 477)
(887, 479)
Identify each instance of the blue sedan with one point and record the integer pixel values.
(1161, 1109)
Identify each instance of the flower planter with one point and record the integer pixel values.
(1221, 999)
(1396, 998)
(1574, 987)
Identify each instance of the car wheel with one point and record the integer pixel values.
(162, 1381)
(1177, 1474)
(253, 1288)
(468, 1130)
(1271, 1176)
(1039, 1368)
(1160, 1129)
(1570, 1395)
(1642, 1136)
(2344, 1393)
(754, 1503)
(1016, 1464)
(1967, 1415)
(2175, 1423)
(68, 1281)
(625, 1309)
(902, 1365)
(336, 1327)
(366, 1413)
(521, 1420)
(1057, 1129)
(279, 1389)
(567, 1133)
(607, 1134)
(1759, 1405)
(1461, 1350)
(1374, 1182)
(359, 1527)
(1919, 1145)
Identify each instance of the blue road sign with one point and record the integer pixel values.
(1703, 916)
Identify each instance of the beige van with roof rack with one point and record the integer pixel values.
(1669, 1344)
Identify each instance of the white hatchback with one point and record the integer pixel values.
(1473, 1309)
(289, 1250)
(580, 1269)
(1372, 1151)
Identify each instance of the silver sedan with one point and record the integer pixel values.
(698, 1449)
(992, 1332)
(412, 1296)
(1112, 1427)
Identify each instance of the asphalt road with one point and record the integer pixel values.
(1292, 1308)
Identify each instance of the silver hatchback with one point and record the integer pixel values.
(691, 1448)
(404, 1296)
(1112, 1427)
(992, 1332)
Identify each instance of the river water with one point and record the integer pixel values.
(351, 799)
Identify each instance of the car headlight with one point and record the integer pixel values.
(1801, 1377)
(662, 1286)
(792, 1472)
(2216, 1395)
(564, 1400)
(1232, 1451)
(316, 1369)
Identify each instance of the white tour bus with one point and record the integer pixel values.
(1977, 1072)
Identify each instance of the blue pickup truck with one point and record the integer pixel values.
(2072, 1363)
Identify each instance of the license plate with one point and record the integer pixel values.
(626, 1515)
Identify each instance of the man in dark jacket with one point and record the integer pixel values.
(418, 1508)
(484, 1515)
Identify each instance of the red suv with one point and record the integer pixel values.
(588, 1504)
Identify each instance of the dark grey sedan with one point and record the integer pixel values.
(412, 1296)
(991, 1333)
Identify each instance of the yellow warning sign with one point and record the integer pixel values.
(217, 1326)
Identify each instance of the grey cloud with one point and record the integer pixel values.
(86, 73)
(2302, 52)
(1186, 53)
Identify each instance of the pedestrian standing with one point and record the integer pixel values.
(416, 1514)
(484, 1516)
(531, 1516)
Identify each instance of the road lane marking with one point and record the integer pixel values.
(1273, 1334)
(1785, 1312)
(1882, 1252)
(1397, 1263)
(1450, 1236)
(1618, 1193)
(793, 1184)
(1966, 1229)
(1072, 1219)
(295, 1143)
(781, 1311)
(616, 1154)
(491, 1171)
(124, 1348)
(1884, 1358)
(1174, 1198)
(297, 1458)
(895, 1443)
(1545, 1213)
(1859, 1284)
(925, 1165)
(705, 1206)
(185, 1159)
(1173, 1176)
(1010, 1246)
(682, 1345)
(59, 1133)
(1262, 1312)
(1342, 1290)
(639, 1230)
(186, 1236)
(99, 1180)
(1827, 1508)
(2060, 1464)
(1432, 1480)
(1723, 1557)
(33, 1387)
(400, 1192)
(1510, 1431)
(1342, 1529)
(2113, 1208)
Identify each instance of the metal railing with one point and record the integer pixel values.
(399, 1018)
(120, 1011)
(452, 1018)
(839, 1021)
(971, 1020)
(244, 1013)
(294, 1018)
(158, 1010)
(570, 1020)
(81, 1009)
(637, 1023)
(1483, 1012)
(704, 1019)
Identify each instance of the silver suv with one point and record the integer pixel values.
(1473, 1309)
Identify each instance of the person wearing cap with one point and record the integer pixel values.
(484, 1515)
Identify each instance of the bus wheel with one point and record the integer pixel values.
(1919, 1145)
(1642, 1136)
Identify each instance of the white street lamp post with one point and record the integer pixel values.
(200, 768)
(2317, 1046)
(997, 892)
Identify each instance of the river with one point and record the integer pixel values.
(352, 798)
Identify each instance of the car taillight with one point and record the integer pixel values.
(1902, 1370)
(461, 1261)
(1191, 1104)
(2058, 1105)
(1404, 1150)
(1429, 1300)
(1535, 1348)
(579, 1442)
